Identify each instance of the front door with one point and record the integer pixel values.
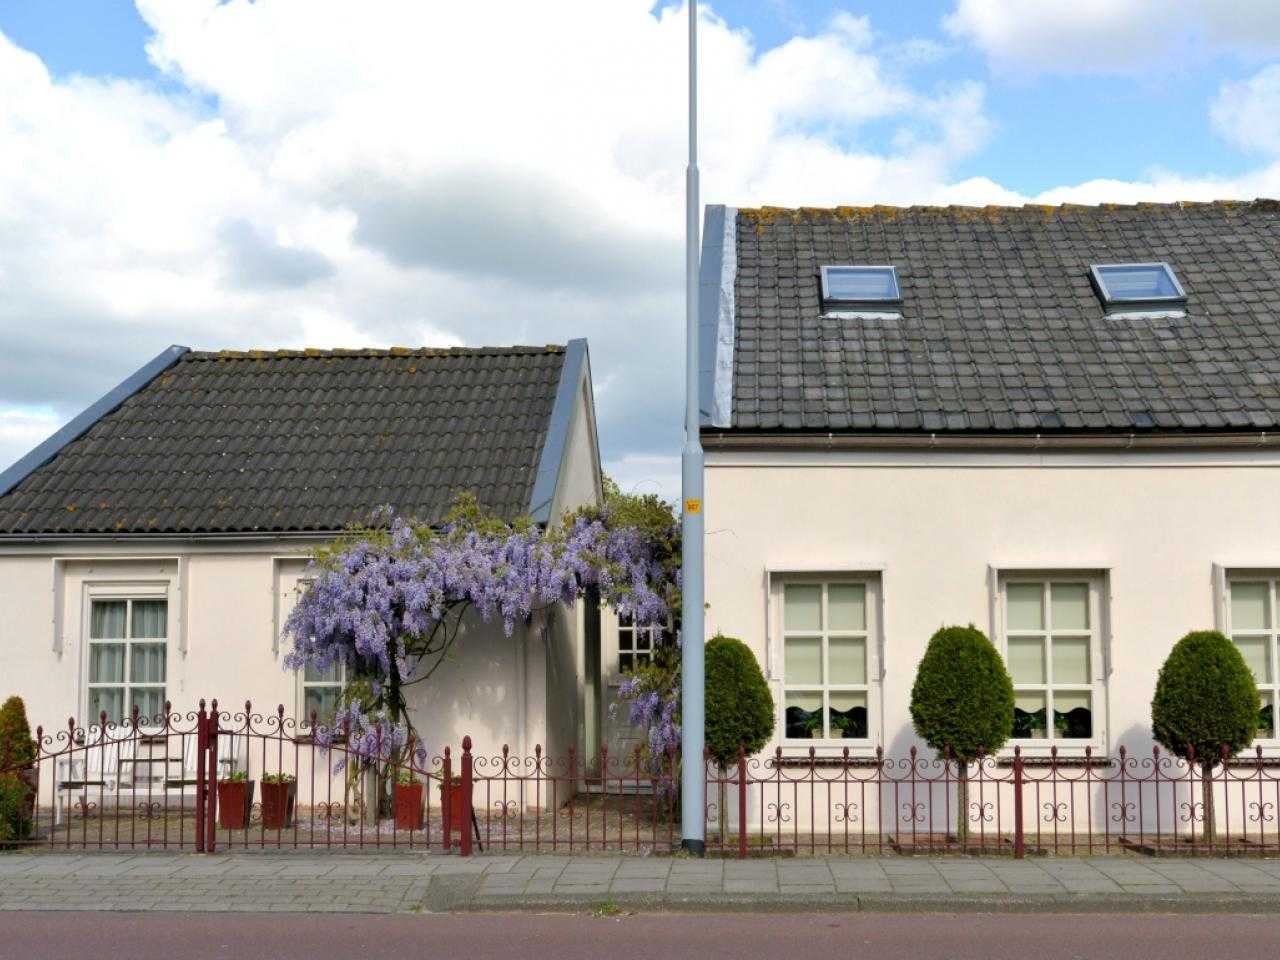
(626, 646)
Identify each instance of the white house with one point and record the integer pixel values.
(152, 549)
(1060, 424)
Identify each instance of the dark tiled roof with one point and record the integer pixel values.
(301, 440)
(1000, 329)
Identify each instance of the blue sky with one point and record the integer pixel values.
(284, 173)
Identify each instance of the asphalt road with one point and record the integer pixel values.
(176, 936)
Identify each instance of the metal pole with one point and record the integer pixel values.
(692, 781)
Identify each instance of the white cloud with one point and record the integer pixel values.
(22, 429)
(1248, 113)
(1088, 36)
(331, 173)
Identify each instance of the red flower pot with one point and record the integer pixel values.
(277, 805)
(455, 805)
(407, 799)
(235, 799)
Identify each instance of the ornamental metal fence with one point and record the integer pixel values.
(213, 779)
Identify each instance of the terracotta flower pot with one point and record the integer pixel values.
(455, 805)
(407, 799)
(277, 805)
(235, 799)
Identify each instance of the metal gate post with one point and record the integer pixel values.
(742, 803)
(211, 780)
(446, 800)
(467, 815)
(202, 747)
(1019, 841)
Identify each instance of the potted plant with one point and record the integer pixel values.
(278, 792)
(235, 799)
(407, 801)
(455, 803)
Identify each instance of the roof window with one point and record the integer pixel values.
(860, 286)
(1129, 285)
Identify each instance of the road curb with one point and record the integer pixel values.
(879, 903)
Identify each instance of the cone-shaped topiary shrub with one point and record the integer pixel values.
(962, 702)
(739, 705)
(17, 752)
(1206, 699)
(17, 749)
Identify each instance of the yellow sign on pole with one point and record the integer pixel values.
(693, 506)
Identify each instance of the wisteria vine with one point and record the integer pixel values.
(388, 603)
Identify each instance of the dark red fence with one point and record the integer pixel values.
(214, 779)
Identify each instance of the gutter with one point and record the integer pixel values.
(227, 537)
(992, 441)
(88, 418)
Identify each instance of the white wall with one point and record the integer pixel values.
(934, 525)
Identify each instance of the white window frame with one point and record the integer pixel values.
(128, 592)
(1272, 633)
(289, 596)
(1098, 686)
(827, 746)
(652, 635)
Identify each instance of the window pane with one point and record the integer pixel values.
(625, 662)
(314, 674)
(803, 607)
(1029, 716)
(1255, 650)
(861, 283)
(322, 700)
(106, 620)
(624, 639)
(847, 606)
(847, 716)
(149, 701)
(1026, 659)
(1070, 606)
(109, 700)
(803, 715)
(848, 659)
(1072, 715)
(1138, 282)
(1267, 717)
(106, 663)
(1026, 606)
(146, 663)
(804, 659)
(150, 619)
(1249, 606)
(1071, 660)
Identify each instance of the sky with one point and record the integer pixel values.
(332, 173)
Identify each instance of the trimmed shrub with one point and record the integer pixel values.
(17, 749)
(962, 699)
(1206, 698)
(739, 705)
(17, 753)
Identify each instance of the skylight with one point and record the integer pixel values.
(1130, 284)
(860, 286)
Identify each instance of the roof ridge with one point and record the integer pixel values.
(372, 353)
(768, 214)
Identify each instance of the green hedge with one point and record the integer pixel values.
(962, 699)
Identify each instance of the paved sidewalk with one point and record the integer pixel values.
(393, 883)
